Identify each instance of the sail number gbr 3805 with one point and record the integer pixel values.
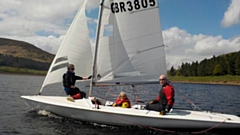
(117, 7)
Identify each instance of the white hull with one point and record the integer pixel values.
(84, 110)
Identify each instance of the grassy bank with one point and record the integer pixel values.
(227, 79)
(12, 70)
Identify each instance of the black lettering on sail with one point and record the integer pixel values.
(114, 8)
(117, 7)
(122, 7)
(130, 7)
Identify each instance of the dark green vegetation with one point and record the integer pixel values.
(226, 79)
(4, 69)
(226, 64)
(224, 69)
(22, 57)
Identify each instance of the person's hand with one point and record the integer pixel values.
(94, 99)
(90, 77)
(152, 102)
(72, 87)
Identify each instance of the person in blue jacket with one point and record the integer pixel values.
(69, 80)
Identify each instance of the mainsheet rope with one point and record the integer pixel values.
(135, 94)
(193, 105)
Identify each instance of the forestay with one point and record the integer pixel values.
(130, 49)
(75, 49)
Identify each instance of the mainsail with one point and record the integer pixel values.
(75, 49)
(132, 51)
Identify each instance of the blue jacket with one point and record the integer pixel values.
(69, 79)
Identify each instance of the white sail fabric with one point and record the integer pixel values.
(133, 52)
(75, 49)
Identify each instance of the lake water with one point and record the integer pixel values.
(17, 118)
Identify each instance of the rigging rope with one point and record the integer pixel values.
(210, 128)
(109, 91)
(193, 105)
(135, 94)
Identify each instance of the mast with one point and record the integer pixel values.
(96, 48)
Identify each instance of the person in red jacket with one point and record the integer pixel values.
(122, 101)
(165, 100)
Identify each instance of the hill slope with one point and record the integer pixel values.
(21, 55)
(24, 50)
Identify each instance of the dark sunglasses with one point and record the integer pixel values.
(162, 79)
(72, 68)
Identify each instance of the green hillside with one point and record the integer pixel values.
(21, 57)
(22, 49)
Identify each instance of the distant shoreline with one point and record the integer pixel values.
(22, 74)
(224, 83)
(225, 79)
(193, 82)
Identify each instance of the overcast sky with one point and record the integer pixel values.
(192, 29)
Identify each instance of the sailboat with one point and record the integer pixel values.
(130, 53)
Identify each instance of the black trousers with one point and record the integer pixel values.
(76, 90)
(155, 107)
(99, 101)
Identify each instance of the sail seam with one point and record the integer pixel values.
(133, 38)
(150, 49)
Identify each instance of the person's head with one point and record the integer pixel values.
(71, 67)
(122, 96)
(162, 79)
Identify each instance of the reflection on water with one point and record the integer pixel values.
(17, 118)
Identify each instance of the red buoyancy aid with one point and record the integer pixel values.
(77, 96)
(166, 95)
(119, 102)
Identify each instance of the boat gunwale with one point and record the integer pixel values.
(116, 112)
